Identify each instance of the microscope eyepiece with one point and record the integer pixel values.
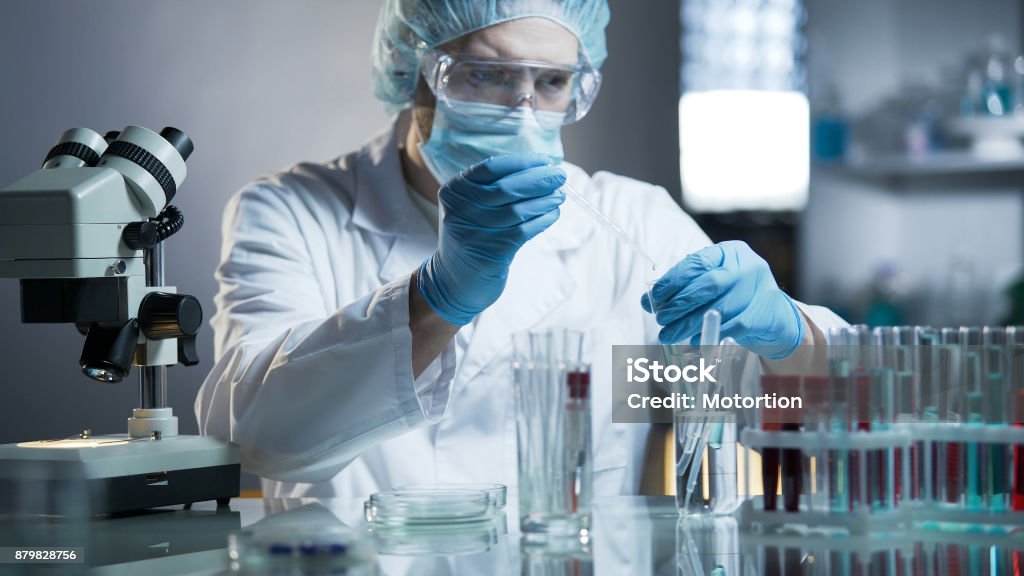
(76, 148)
(147, 161)
(152, 164)
(181, 142)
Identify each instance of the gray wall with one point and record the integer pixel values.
(258, 84)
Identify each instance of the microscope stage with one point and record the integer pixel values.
(115, 473)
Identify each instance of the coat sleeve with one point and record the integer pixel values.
(301, 388)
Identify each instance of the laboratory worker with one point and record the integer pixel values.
(366, 304)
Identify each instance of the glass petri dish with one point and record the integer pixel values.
(498, 492)
(441, 539)
(428, 507)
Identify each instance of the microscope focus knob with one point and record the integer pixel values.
(141, 235)
(163, 315)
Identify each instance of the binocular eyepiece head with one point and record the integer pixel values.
(153, 164)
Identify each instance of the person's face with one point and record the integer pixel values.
(536, 39)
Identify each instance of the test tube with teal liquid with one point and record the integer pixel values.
(838, 460)
(974, 496)
(893, 388)
(975, 463)
(995, 391)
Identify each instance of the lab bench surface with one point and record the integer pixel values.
(632, 535)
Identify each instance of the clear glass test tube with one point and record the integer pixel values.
(858, 401)
(1017, 494)
(706, 446)
(893, 385)
(722, 433)
(1015, 353)
(1015, 383)
(816, 422)
(950, 461)
(974, 457)
(689, 431)
(974, 495)
(859, 392)
(926, 368)
(907, 404)
(770, 456)
(837, 464)
(1015, 357)
(792, 459)
(882, 470)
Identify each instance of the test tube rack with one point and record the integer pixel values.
(871, 451)
(819, 504)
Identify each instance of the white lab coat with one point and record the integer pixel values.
(313, 375)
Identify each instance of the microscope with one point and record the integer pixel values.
(84, 235)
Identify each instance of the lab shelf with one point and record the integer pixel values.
(955, 168)
(951, 162)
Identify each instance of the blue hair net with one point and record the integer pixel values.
(406, 27)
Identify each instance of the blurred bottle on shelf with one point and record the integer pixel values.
(829, 128)
(993, 84)
(997, 92)
(887, 297)
(923, 134)
(1018, 85)
(972, 101)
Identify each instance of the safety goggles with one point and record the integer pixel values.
(558, 94)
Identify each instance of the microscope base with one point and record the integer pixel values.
(116, 473)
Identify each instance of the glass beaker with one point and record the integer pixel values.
(552, 395)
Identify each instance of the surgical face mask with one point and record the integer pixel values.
(471, 132)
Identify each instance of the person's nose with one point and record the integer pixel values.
(527, 99)
(526, 91)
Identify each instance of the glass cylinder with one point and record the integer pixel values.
(552, 396)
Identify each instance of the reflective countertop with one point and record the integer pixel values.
(632, 535)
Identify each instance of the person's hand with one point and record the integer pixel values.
(732, 279)
(488, 212)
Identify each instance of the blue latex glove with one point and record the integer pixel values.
(732, 279)
(488, 212)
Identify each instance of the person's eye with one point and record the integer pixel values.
(486, 77)
(483, 77)
(554, 82)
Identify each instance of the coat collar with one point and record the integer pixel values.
(382, 202)
(383, 206)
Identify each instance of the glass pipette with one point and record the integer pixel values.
(608, 224)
